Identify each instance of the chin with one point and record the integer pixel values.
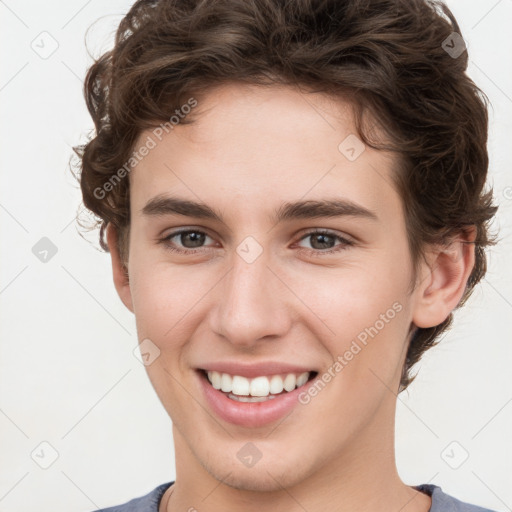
(270, 475)
(259, 480)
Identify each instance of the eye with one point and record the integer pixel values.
(190, 239)
(322, 242)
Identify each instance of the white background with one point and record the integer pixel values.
(67, 372)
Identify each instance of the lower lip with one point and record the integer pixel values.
(250, 414)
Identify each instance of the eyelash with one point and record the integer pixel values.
(345, 243)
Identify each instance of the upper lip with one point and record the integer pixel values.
(254, 369)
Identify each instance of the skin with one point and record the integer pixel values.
(250, 150)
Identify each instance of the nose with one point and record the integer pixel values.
(251, 304)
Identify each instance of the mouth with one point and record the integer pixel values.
(258, 389)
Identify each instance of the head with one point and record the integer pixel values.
(247, 107)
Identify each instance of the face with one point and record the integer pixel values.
(264, 289)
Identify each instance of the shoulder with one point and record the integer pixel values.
(147, 503)
(442, 502)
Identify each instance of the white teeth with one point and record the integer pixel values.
(214, 378)
(250, 398)
(225, 383)
(302, 379)
(241, 385)
(260, 386)
(289, 382)
(276, 384)
(257, 387)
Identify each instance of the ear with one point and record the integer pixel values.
(119, 269)
(443, 279)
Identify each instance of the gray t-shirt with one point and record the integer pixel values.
(441, 502)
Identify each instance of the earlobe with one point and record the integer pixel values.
(444, 280)
(119, 269)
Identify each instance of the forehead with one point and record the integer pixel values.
(254, 115)
(250, 145)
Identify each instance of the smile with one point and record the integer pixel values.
(274, 398)
(258, 389)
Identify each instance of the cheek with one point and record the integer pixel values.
(365, 314)
(353, 298)
(162, 299)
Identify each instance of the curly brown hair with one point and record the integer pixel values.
(394, 60)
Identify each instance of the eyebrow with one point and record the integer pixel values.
(309, 209)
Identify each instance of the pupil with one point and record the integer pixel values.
(197, 238)
(324, 242)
